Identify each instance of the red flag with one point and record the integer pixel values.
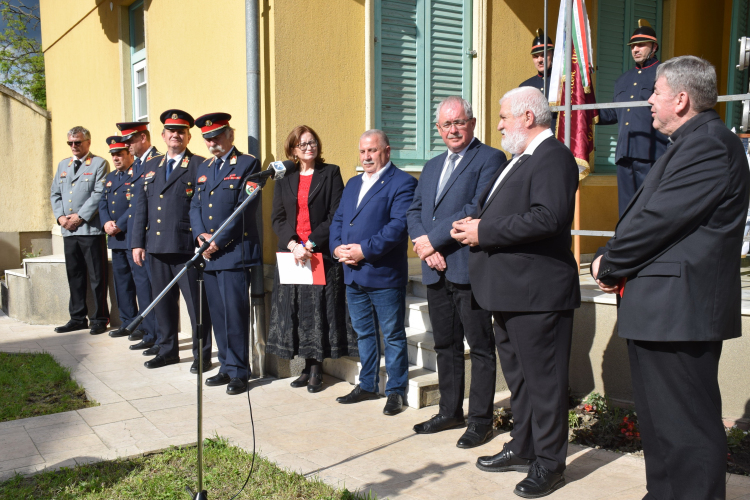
(582, 123)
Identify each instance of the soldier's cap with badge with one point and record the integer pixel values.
(129, 129)
(116, 143)
(644, 33)
(537, 46)
(176, 118)
(213, 124)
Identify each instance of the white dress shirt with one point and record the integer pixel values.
(177, 159)
(369, 180)
(145, 155)
(545, 134)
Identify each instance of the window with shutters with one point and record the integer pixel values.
(422, 55)
(737, 81)
(139, 74)
(617, 19)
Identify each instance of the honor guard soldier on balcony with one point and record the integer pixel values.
(221, 187)
(138, 139)
(542, 67)
(162, 224)
(113, 216)
(639, 145)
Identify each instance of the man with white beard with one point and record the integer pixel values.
(522, 269)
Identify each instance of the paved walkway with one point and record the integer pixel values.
(354, 446)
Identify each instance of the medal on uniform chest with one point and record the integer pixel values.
(185, 162)
(189, 192)
(250, 187)
(233, 160)
(202, 179)
(109, 184)
(150, 175)
(63, 174)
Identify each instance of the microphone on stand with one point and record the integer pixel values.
(276, 170)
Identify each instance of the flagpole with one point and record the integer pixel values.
(568, 118)
(544, 75)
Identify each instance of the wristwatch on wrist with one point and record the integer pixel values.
(312, 243)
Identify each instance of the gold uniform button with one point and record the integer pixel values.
(212, 230)
(628, 109)
(70, 201)
(130, 205)
(158, 221)
(73, 185)
(161, 196)
(70, 209)
(113, 202)
(231, 186)
(158, 208)
(631, 96)
(212, 192)
(71, 192)
(210, 205)
(639, 72)
(158, 233)
(626, 123)
(129, 216)
(245, 234)
(210, 217)
(113, 211)
(190, 183)
(636, 83)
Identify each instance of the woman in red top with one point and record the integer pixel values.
(308, 321)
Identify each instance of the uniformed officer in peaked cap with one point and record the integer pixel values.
(113, 216)
(75, 193)
(138, 138)
(639, 145)
(162, 225)
(221, 187)
(542, 67)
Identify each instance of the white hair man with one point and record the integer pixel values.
(674, 264)
(522, 269)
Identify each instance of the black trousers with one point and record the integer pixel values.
(86, 260)
(142, 280)
(228, 295)
(678, 402)
(164, 267)
(534, 351)
(630, 175)
(453, 318)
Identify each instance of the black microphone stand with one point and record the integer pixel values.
(198, 263)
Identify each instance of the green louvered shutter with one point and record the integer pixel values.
(449, 65)
(737, 82)
(616, 21)
(398, 65)
(420, 58)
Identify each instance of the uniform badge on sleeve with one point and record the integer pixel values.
(250, 187)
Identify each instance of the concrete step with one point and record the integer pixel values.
(417, 314)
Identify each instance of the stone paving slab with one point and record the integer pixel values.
(355, 446)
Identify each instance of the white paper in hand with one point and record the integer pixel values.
(291, 273)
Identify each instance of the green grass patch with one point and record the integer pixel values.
(34, 384)
(164, 476)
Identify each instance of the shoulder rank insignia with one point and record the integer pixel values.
(88, 161)
(233, 161)
(250, 187)
(202, 179)
(63, 174)
(185, 162)
(161, 163)
(71, 161)
(109, 184)
(212, 161)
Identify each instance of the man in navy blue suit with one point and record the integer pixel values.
(221, 187)
(368, 236)
(449, 190)
(113, 216)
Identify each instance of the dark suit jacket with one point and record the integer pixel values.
(114, 206)
(379, 225)
(162, 218)
(215, 199)
(136, 188)
(523, 261)
(679, 240)
(458, 200)
(323, 199)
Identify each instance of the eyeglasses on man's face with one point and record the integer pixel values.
(456, 123)
(75, 143)
(302, 146)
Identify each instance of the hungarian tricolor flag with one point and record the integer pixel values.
(582, 92)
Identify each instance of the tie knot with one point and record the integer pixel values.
(77, 163)
(219, 162)
(171, 163)
(454, 157)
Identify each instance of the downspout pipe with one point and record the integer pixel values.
(568, 67)
(257, 285)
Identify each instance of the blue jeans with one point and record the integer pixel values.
(386, 307)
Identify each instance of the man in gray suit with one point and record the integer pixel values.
(75, 193)
(448, 191)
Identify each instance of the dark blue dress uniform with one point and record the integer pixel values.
(141, 274)
(639, 145)
(537, 81)
(113, 206)
(162, 226)
(219, 191)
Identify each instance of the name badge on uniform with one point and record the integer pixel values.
(109, 184)
(233, 160)
(250, 187)
(150, 174)
(202, 179)
(185, 162)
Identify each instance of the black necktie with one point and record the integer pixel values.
(219, 162)
(170, 167)
(119, 176)
(136, 167)
(76, 164)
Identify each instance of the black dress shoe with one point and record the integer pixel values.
(151, 351)
(477, 434)
(206, 366)
(120, 332)
(357, 395)
(394, 405)
(72, 326)
(141, 345)
(539, 483)
(236, 386)
(136, 335)
(504, 461)
(98, 328)
(438, 423)
(315, 384)
(218, 379)
(160, 361)
(301, 381)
